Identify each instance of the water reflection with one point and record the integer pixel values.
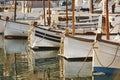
(19, 62)
(46, 64)
(72, 68)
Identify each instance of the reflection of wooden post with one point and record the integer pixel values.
(61, 63)
(15, 67)
(7, 67)
(107, 22)
(73, 20)
(9, 60)
(15, 10)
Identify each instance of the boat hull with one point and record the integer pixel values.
(107, 57)
(77, 57)
(2, 26)
(44, 37)
(16, 30)
(77, 47)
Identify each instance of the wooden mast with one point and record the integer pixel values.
(73, 19)
(15, 10)
(67, 31)
(91, 6)
(107, 22)
(44, 12)
(49, 12)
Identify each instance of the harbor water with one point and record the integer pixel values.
(19, 62)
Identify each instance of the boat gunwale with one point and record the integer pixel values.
(110, 42)
(51, 30)
(81, 39)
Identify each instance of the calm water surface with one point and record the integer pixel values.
(19, 62)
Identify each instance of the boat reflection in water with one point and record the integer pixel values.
(17, 59)
(20, 62)
(46, 64)
(75, 69)
(15, 46)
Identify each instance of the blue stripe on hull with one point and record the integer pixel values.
(106, 70)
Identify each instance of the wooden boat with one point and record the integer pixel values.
(43, 36)
(107, 53)
(76, 51)
(15, 30)
(107, 57)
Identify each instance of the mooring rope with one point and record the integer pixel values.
(85, 59)
(116, 52)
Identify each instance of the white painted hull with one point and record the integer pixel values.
(2, 26)
(43, 37)
(15, 46)
(74, 48)
(107, 56)
(72, 69)
(78, 57)
(16, 29)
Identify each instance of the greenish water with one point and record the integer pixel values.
(19, 62)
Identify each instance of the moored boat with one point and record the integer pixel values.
(106, 56)
(43, 36)
(16, 30)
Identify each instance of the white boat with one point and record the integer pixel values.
(106, 52)
(2, 25)
(16, 30)
(106, 56)
(77, 47)
(77, 51)
(43, 36)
